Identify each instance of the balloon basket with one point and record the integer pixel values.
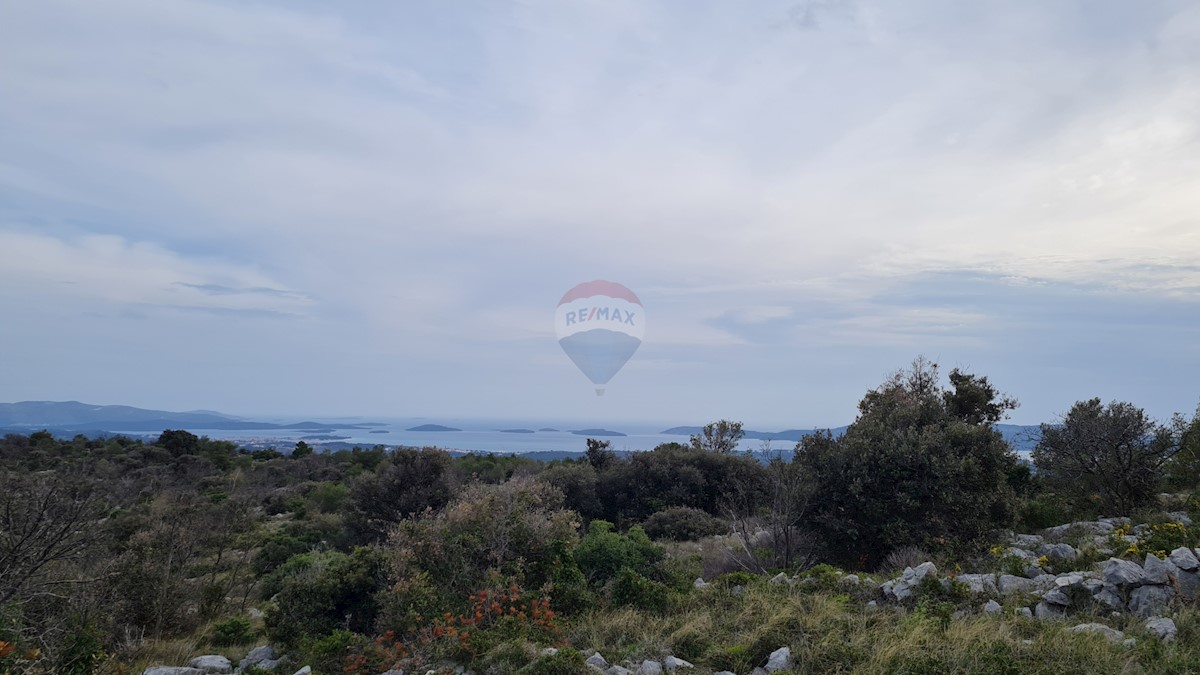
(599, 391)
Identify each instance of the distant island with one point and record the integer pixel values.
(378, 431)
(432, 427)
(548, 429)
(597, 432)
(517, 431)
(323, 437)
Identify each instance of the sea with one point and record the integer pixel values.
(487, 436)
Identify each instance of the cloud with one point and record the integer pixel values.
(431, 177)
(115, 271)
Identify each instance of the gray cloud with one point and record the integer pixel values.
(799, 190)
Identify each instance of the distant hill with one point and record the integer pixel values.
(74, 413)
(597, 433)
(517, 431)
(431, 427)
(73, 417)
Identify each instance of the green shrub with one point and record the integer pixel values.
(328, 653)
(824, 576)
(683, 523)
(232, 631)
(731, 579)
(634, 590)
(603, 554)
(319, 592)
(517, 529)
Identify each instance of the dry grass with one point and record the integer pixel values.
(831, 633)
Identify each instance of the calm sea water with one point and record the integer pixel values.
(479, 436)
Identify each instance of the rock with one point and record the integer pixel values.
(1112, 634)
(1150, 601)
(1056, 597)
(758, 671)
(1027, 556)
(394, 671)
(1110, 596)
(597, 660)
(306, 670)
(672, 664)
(1189, 584)
(1086, 527)
(992, 607)
(172, 670)
(1025, 612)
(849, 580)
(724, 672)
(1162, 627)
(618, 670)
(872, 605)
(1028, 541)
(700, 583)
(1129, 642)
(1061, 552)
(650, 668)
(903, 587)
(549, 651)
(1184, 559)
(1048, 611)
(1010, 584)
(1159, 571)
(1181, 517)
(270, 664)
(256, 656)
(1123, 572)
(979, 583)
(780, 579)
(1068, 579)
(781, 659)
(212, 663)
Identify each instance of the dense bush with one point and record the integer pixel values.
(919, 466)
(322, 591)
(603, 553)
(518, 529)
(1111, 458)
(682, 523)
(410, 482)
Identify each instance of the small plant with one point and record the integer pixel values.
(232, 631)
(565, 661)
(632, 589)
(1162, 538)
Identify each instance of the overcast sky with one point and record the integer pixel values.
(372, 208)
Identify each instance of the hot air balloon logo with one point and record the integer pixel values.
(599, 325)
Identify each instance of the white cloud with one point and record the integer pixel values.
(110, 269)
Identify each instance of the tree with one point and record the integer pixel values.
(1109, 456)
(599, 454)
(921, 465)
(302, 449)
(46, 521)
(411, 482)
(178, 441)
(1183, 471)
(720, 437)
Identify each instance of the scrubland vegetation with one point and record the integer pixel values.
(117, 554)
